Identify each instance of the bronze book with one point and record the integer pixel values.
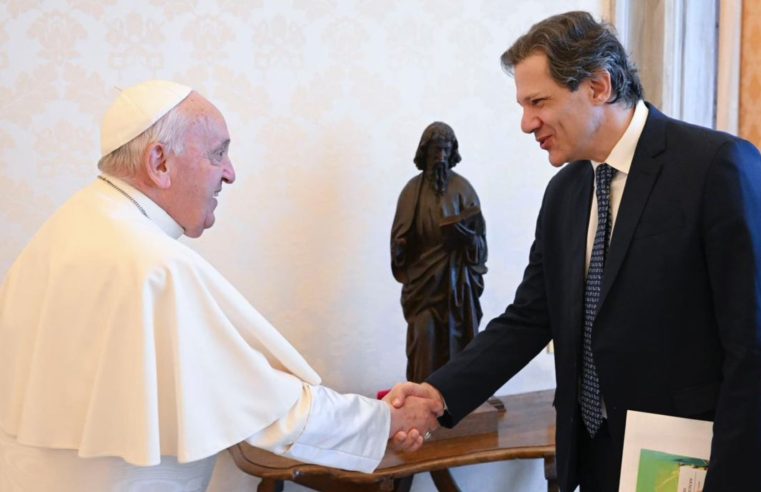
(465, 216)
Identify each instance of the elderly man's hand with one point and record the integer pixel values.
(414, 412)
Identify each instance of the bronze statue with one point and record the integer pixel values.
(438, 253)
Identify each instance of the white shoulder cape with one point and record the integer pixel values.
(118, 340)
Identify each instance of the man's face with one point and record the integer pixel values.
(197, 173)
(564, 123)
(438, 151)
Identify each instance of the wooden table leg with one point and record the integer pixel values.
(403, 484)
(326, 483)
(551, 474)
(269, 485)
(444, 481)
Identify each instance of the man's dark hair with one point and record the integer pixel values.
(437, 130)
(576, 47)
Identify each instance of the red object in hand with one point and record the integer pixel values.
(380, 394)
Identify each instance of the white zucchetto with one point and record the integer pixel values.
(136, 109)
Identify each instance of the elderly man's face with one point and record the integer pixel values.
(200, 169)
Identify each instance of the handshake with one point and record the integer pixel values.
(415, 409)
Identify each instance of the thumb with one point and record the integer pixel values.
(404, 390)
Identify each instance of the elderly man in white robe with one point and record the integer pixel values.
(127, 361)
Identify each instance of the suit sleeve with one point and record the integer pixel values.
(508, 343)
(732, 241)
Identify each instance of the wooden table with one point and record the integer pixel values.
(525, 431)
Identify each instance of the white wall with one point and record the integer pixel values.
(325, 101)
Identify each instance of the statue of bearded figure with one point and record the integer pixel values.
(438, 253)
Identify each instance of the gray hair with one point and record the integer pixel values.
(576, 47)
(168, 130)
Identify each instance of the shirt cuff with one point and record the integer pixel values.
(328, 428)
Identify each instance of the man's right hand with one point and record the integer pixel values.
(414, 412)
(401, 391)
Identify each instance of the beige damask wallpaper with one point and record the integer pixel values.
(325, 101)
(750, 73)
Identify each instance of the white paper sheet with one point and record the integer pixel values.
(674, 435)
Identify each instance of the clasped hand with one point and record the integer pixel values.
(415, 409)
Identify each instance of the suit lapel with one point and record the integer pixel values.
(643, 174)
(577, 220)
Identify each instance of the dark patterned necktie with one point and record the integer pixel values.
(589, 399)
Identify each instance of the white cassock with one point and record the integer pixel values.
(121, 345)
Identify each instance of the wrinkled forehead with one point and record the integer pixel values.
(198, 107)
(532, 76)
(203, 115)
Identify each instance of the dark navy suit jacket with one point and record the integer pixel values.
(678, 328)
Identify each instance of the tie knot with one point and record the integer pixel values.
(604, 173)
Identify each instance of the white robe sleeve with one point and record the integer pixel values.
(332, 429)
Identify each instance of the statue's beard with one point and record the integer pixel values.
(439, 176)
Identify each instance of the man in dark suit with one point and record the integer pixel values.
(645, 269)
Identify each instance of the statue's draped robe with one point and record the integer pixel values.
(441, 270)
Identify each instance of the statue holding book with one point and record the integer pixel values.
(438, 253)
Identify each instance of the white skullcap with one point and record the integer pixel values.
(136, 109)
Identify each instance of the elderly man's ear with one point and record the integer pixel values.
(156, 165)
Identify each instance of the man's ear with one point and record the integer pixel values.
(155, 162)
(601, 87)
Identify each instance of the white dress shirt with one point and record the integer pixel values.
(620, 159)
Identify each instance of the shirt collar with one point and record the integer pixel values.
(156, 214)
(622, 154)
